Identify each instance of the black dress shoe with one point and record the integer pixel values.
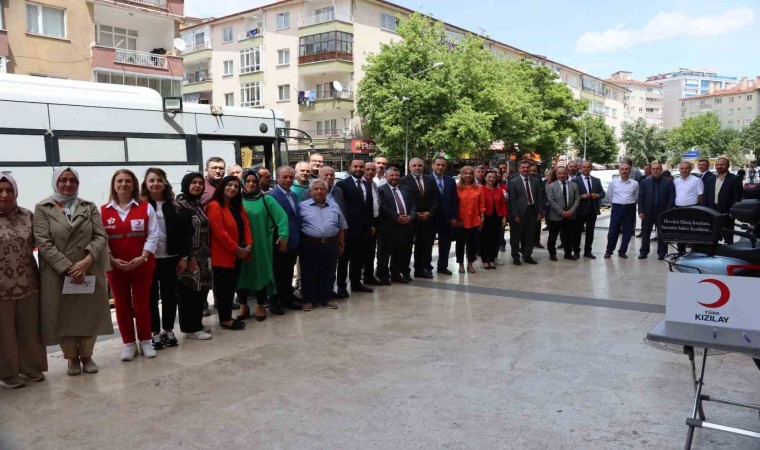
(660, 258)
(553, 257)
(623, 255)
(295, 306)
(571, 257)
(399, 279)
(577, 255)
(530, 260)
(372, 281)
(589, 256)
(383, 282)
(361, 288)
(444, 272)
(516, 261)
(408, 278)
(424, 274)
(540, 245)
(342, 293)
(607, 255)
(642, 256)
(276, 309)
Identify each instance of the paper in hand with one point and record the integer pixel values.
(87, 286)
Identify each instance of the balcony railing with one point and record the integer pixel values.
(324, 18)
(326, 56)
(343, 95)
(154, 3)
(140, 58)
(198, 77)
(198, 47)
(253, 104)
(252, 33)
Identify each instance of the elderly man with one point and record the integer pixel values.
(235, 171)
(397, 211)
(623, 193)
(214, 174)
(723, 191)
(284, 262)
(324, 228)
(657, 194)
(563, 199)
(380, 164)
(369, 262)
(303, 176)
(265, 180)
(689, 188)
(591, 193)
(425, 197)
(316, 161)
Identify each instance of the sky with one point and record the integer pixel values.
(597, 37)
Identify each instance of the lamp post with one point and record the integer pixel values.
(406, 127)
(584, 138)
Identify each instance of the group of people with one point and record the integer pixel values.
(246, 234)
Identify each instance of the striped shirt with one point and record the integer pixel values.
(321, 221)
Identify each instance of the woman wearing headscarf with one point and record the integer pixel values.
(172, 255)
(72, 245)
(195, 283)
(266, 217)
(21, 349)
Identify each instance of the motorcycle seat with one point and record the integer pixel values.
(740, 250)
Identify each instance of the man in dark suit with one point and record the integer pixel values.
(657, 194)
(525, 200)
(542, 186)
(445, 216)
(703, 166)
(395, 229)
(722, 191)
(357, 194)
(370, 170)
(563, 199)
(424, 195)
(591, 192)
(284, 262)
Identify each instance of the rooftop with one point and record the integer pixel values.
(744, 87)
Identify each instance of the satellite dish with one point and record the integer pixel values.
(180, 45)
(337, 86)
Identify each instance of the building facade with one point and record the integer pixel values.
(736, 106)
(686, 83)
(109, 41)
(643, 101)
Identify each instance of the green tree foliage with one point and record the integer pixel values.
(702, 131)
(601, 145)
(643, 143)
(751, 137)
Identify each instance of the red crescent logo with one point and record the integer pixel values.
(725, 294)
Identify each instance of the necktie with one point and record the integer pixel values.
(399, 203)
(440, 184)
(588, 182)
(527, 191)
(419, 186)
(564, 193)
(359, 186)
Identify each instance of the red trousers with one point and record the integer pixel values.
(131, 293)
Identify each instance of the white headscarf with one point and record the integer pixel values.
(69, 202)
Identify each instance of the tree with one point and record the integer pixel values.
(702, 132)
(751, 137)
(643, 143)
(601, 145)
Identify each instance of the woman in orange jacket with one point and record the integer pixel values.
(231, 242)
(471, 210)
(495, 219)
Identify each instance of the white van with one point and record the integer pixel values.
(98, 128)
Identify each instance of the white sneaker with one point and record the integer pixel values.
(146, 347)
(199, 335)
(129, 352)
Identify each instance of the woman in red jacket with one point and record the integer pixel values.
(494, 221)
(231, 242)
(132, 239)
(470, 220)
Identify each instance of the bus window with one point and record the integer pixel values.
(227, 150)
(22, 148)
(158, 150)
(73, 150)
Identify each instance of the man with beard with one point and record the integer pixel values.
(369, 262)
(722, 191)
(424, 196)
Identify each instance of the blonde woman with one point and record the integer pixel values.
(472, 210)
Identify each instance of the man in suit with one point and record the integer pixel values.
(284, 262)
(703, 166)
(591, 193)
(722, 191)
(657, 194)
(563, 199)
(445, 216)
(542, 185)
(525, 200)
(395, 229)
(370, 171)
(424, 195)
(357, 194)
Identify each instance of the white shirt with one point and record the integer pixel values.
(379, 181)
(528, 187)
(688, 190)
(151, 241)
(719, 179)
(623, 192)
(375, 199)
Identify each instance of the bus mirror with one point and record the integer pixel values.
(172, 104)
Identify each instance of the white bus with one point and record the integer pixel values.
(97, 128)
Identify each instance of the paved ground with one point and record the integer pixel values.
(550, 356)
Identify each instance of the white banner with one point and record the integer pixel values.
(714, 301)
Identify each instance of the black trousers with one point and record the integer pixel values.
(369, 257)
(647, 224)
(261, 296)
(191, 304)
(468, 238)
(353, 256)
(443, 231)
(564, 229)
(523, 234)
(424, 235)
(225, 282)
(490, 238)
(589, 223)
(164, 288)
(284, 266)
(318, 264)
(394, 251)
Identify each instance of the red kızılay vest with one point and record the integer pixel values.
(126, 238)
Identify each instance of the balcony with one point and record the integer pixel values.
(197, 52)
(250, 34)
(140, 59)
(154, 3)
(325, 18)
(135, 61)
(333, 101)
(199, 81)
(175, 7)
(325, 62)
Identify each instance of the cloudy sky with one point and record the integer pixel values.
(599, 37)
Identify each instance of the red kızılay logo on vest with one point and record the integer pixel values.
(711, 315)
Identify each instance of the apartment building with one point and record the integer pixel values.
(644, 100)
(109, 41)
(686, 83)
(736, 106)
(306, 58)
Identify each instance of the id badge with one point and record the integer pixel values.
(138, 225)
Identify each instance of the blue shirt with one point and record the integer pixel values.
(321, 221)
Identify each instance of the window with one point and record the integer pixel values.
(283, 93)
(283, 21)
(730, 124)
(45, 20)
(749, 97)
(115, 37)
(325, 90)
(250, 94)
(746, 121)
(748, 110)
(327, 127)
(283, 57)
(326, 42)
(250, 60)
(731, 100)
(718, 100)
(229, 68)
(731, 112)
(229, 99)
(166, 87)
(325, 14)
(388, 22)
(226, 34)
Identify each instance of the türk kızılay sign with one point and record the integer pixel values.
(713, 300)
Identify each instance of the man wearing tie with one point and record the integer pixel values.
(357, 195)
(369, 262)
(395, 229)
(591, 192)
(525, 202)
(703, 166)
(657, 194)
(563, 199)
(284, 262)
(445, 216)
(425, 198)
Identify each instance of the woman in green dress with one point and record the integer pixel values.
(269, 227)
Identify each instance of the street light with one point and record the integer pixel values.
(406, 128)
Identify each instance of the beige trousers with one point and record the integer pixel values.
(21, 349)
(77, 346)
